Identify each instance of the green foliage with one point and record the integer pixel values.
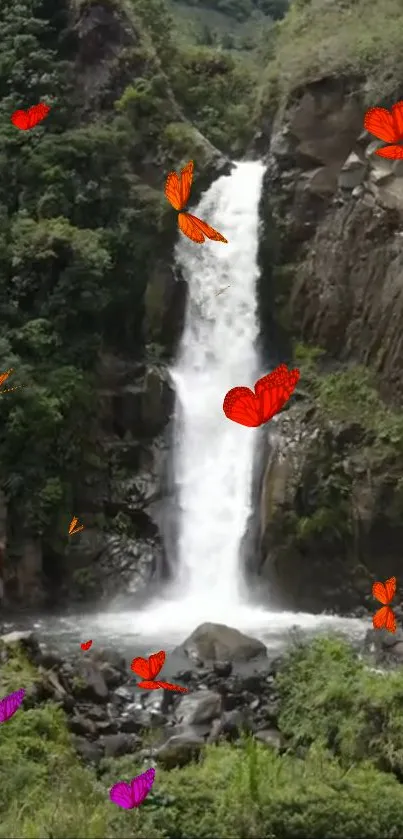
(360, 38)
(326, 520)
(242, 10)
(351, 395)
(235, 792)
(77, 238)
(344, 717)
(329, 696)
(217, 91)
(307, 357)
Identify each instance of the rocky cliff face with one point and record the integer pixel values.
(331, 507)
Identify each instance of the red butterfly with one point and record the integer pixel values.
(148, 668)
(384, 618)
(271, 393)
(25, 120)
(388, 126)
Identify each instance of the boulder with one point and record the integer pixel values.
(200, 707)
(179, 750)
(218, 642)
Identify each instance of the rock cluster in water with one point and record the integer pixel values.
(109, 717)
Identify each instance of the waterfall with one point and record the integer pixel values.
(213, 456)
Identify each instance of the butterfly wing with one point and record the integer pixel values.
(173, 190)
(206, 229)
(121, 794)
(390, 588)
(390, 623)
(21, 120)
(381, 123)
(10, 704)
(169, 686)
(147, 684)
(189, 228)
(397, 115)
(37, 113)
(379, 618)
(384, 592)
(141, 786)
(186, 179)
(241, 405)
(271, 379)
(275, 389)
(384, 619)
(155, 663)
(4, 376)
(391, 152)
(141, 667)
(72, 525)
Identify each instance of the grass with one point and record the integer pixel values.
(346, 718)
(331, 37)
(351, 395)
(330, 697)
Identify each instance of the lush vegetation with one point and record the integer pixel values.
(359, 38)
(243, 9)
(344, 736)
(329, 696)
(351, 395)
(81, 227)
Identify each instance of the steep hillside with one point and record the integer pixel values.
(234, 25)
(90, 309)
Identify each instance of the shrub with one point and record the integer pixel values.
(321, 37)
(329, 696)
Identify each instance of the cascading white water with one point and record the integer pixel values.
(214, 456)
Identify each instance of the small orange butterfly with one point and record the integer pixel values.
(384, 618)
(177, 191)
(3, 378)
(72, 527)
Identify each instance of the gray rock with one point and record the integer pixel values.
(352, 172)
(116, 745)
(179, 750)
(270, 737)
(217, 642)
(90, 753)
(229, 727)
(26, 640)
(198, 708)
(90, 683)
(82, 726)
(223, 668)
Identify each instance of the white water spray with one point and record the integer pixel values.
(214, 456)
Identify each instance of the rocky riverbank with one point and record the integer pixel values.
(302, 745)
(231, 692)
(108, 715)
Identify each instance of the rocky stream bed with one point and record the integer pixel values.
(230, 678)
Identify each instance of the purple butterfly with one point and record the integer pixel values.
(10, 704)
(133, 794)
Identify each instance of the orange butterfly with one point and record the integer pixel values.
(384, 618)
(148, 668)
(3, 378)
(73, 528)
(177, 190)
(388, 126)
